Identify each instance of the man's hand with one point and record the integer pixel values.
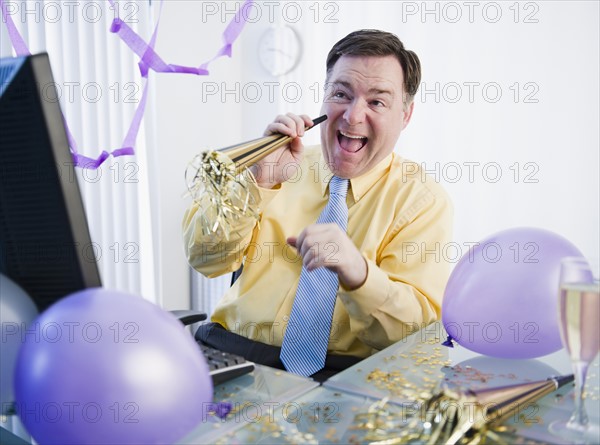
(326, 245)
(274, 168)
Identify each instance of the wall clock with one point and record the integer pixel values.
(280, 50)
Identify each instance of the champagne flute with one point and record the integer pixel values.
(579, 305)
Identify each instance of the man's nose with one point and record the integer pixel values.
(355, 112)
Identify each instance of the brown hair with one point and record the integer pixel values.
(372, 42)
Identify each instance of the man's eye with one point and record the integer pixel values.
(338, 96)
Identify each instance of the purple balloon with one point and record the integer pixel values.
(502, 297)
(105, 367)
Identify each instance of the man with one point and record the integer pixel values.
(390, 277)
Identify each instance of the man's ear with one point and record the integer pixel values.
(408, 113)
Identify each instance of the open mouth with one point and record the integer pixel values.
(350, 142)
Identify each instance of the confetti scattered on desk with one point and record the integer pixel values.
(413, 381)
(396, 387)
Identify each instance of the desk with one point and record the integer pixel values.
(277, 407)
(252, 396)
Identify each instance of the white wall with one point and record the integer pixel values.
(542, 134)
(186, 126)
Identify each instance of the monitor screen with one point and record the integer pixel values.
(45, 244)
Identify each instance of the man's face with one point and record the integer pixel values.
(365, 110)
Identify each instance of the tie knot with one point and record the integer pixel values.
(338, 186)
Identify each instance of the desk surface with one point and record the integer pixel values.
(252, 397)
(272, 406)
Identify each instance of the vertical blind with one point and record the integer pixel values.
(100, 87)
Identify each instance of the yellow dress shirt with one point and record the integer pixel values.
(398, 218)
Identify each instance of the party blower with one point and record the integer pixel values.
(222, 186)
(446, 422)
(458, 417)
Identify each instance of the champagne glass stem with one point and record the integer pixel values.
(579, 417)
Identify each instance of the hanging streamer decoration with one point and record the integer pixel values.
(149, 60)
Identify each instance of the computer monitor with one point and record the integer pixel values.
(45, 243)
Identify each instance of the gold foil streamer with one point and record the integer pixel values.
(224, 195)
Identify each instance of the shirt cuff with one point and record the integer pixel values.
(362, 302)
(266, 196)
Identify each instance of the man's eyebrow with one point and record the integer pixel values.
(379, 92)
(340, 83)
(374, 90)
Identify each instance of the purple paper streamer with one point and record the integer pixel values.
(143, 64)
(149, 59)
(13, 33)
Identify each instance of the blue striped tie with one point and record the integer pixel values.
(305, 341)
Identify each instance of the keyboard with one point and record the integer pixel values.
(224, 366)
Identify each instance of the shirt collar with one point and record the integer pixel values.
(360, 185)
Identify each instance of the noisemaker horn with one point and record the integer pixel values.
(222, 186)
(457, 416)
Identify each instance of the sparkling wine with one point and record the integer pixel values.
(580, 330)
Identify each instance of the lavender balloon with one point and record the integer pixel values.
(502, 297)
(106, 367)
